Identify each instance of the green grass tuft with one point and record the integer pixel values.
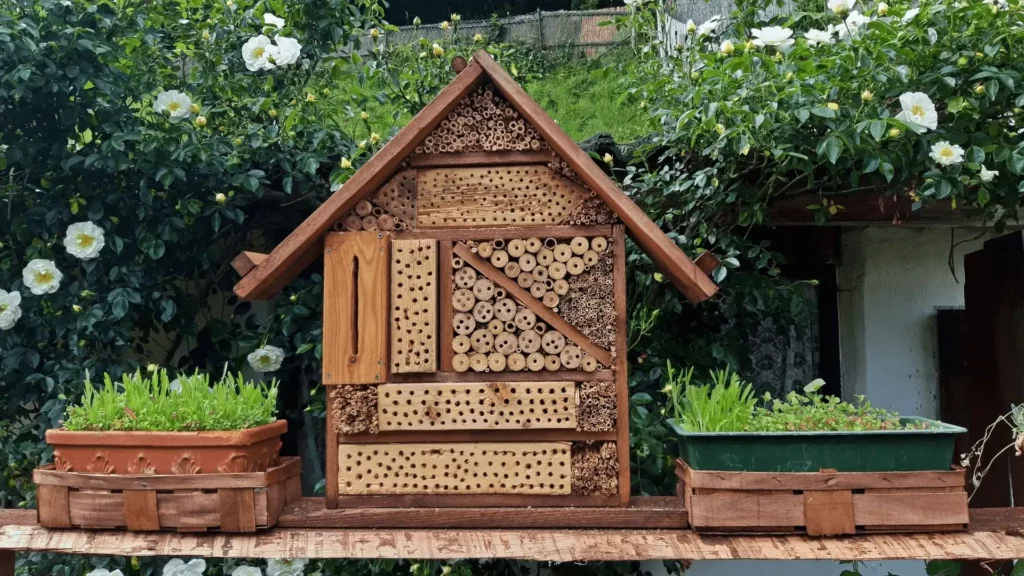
(139, 402)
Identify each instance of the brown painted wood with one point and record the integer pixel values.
(507, 233)
(355, 327)
(829, 512)
(95, 510)
(331, 474)
(561, 375)
(542, 311)
(995, 534)
(7, 562)
(817, 480)
(288, 467)
(621, 302)
(446, 290)
(472, 501)
(54, 509)
(444, 436)
(646, 512)
(897, 508)
(955, 395)
(237, 510)
(693, 283)
(140, 510)
(246, 261)
(707, 262)
(299, 249)
(861, 208)
(511, 158)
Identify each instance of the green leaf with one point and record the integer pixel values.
(871, 162)
(992, 88)
(824, 112)
(877, 129)
(942, 568)
(641, 398)
(976, 155)
(888, 171)
(803, 115)
(955, 104)
(833, 147)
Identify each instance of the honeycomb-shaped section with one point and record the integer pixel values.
(473, 406)
(458, 468)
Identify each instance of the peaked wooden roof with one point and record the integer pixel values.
(304, 244)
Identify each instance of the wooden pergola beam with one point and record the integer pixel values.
(996, 535)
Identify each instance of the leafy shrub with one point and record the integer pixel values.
(186, 403)
(725, 404)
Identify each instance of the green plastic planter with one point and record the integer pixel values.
(930, 448)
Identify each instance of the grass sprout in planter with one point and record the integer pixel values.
(723, 425)
(189, 403)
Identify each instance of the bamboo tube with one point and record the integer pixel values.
(561, 287)
(588, 364)
(538, 289)
(571, 357)
(506, 343)
(465, 277)
(540, 274)
(516, 248)
(529, 341)
(552, 342)
(460, 344)
(499, 244)
(545, 257)
(512, 269)
(550, 299)
(457, 263)
(386, 222)
(516, 362)
(460, 362)
(482, 341)
(499, 292)
(483, 289)
(483, 311)
(463, 300)
(495, 326)
(525, 280)
(562, 253)
(590, 257)
(540, 328)
(499, 258)
(505, 309)
(496, 362)
(484, 249)
(463, 323)
(535, 362)
(579, 245)
(478, 362)
(557, 270)
(364, 208)
(552, 363)
(527, 262)
(599, 244)
(533, 245)
(550, 243)
(575, 266)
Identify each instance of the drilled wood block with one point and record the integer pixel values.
(458, 468)
(490, 196)
(398, 196)
(414, 306)
(477, 406)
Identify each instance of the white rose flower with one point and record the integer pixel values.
(777, 36)
(247, 571)
(945, 153)
(910, 15)
(709, 28)
(852, 24)
(815, 37)
(986, 176)
(174, 104)
(84, 240)
(104, 572)
(280, 567)
(918, 109)
(286, 52)
(41, 277)
(271, 20)
(840, 6)
(266, 359)
(10, 311)
(178, 567)
(256, 54)
(690, 26)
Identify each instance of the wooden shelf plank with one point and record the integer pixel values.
(453, 377)
(1001, 540)
(442, 436)
(653, 512)
(479, 159)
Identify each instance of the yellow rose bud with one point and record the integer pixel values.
(374, 33)
(364, 116)
(76, 308)
(608, 158)
(728, 48)
(345, 163)
(979, 89)
(230, 4)
(690, 26)
(979, 55)
(789, 76)
(478, 38)
(833, 106)
(841, 9)
(446, 570)
(456, 18)
(272, 113)
(152, 368)
(867, 96)
(362, 144)
(237, 141)
(438, 51)
(194, 108)
(310, 98)
(200, 121)
(135, 563)
(749, 45)
(206, 35)
(220, 198)
(720, 129)
(882, 8)
(293, 298)
(894, 133)
(745, 150)
(445, 25)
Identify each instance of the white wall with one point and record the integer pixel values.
(891, 282)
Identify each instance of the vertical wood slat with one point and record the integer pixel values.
(829, 512)
(414, 281)
(140, 510)
(355, 329)
(7, 562)
(237, 509)
(621, 362)
(332, 458)
(446, 292)
(54, 510)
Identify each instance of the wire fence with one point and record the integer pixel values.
(678, 12)
(543, 30)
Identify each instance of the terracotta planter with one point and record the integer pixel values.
(252, 450)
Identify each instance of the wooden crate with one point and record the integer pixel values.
(825, 503)
(242, 502)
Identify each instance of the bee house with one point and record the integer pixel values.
(475, 310)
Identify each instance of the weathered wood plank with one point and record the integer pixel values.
(445, 436)
(509, 158)
(506, 376)
(140, 510)
(818, 480)
(829, 512)
(621, 303)
(355, 334)
(508, 233)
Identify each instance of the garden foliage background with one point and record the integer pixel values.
(735, 116)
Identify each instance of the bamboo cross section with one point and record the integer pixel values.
(548, 315)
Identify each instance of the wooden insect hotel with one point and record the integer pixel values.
(474, 329)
